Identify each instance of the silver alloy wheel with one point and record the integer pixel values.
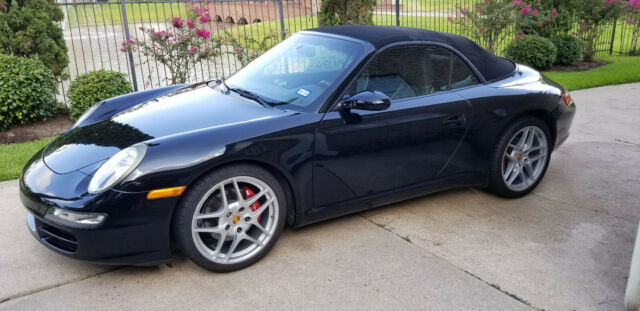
(524, 158)
(230, 225)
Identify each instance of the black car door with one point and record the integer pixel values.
(360, 153)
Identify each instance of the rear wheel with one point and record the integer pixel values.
(231, 218)
(520, 159)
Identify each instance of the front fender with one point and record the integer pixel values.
(113, 106)
(283, 141)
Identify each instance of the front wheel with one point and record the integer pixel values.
(520, 159)
(231, 218)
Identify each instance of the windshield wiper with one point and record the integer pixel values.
(244, 93)
(250, 95)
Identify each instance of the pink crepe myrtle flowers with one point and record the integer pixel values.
(197, 10)
(128, 45)
(527, 9)
(205, 19)
(177, 22)
(203, 33)
(635, 4)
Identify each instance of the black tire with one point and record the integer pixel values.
(496, 183)
(183, 216)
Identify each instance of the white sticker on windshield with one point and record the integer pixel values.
(303, 92)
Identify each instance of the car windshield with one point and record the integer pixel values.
(299, 72)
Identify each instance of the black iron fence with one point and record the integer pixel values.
(94, 31)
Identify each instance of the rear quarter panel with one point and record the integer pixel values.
(494, 107)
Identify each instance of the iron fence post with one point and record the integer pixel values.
(127, 36)
(397, 12)
(613, 36)
(281, 12)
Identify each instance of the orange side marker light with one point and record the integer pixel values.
(166, 192)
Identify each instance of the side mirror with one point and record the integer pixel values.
(367, 100)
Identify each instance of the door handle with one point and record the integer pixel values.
(455, 120)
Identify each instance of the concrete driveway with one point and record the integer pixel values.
(567, 246)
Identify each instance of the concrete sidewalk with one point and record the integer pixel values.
(566, 246)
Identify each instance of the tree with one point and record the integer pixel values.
(592, 15)
(633, 11)
(547, 19)
(179, 47)
(29, 28)
(487, 23)
(341, 12)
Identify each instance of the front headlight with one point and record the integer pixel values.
(116, 168)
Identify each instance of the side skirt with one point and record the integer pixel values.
(318, 214)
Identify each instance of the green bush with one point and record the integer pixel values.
(93, 87)
(27, 91)
(532, 50)
(340, 12)
(569, 49)
(29, 28)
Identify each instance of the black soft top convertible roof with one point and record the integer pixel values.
(491, 67)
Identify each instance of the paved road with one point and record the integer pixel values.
(567, 246)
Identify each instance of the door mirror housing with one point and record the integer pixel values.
(367, 100)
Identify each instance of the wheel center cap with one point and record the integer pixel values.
(235, 219)
(519, 157)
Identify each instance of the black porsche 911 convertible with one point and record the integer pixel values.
(329, 122)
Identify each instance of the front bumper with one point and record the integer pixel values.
(135, 232)
(564, 115)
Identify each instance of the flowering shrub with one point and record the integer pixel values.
(188, 42)
(487, 22)
(179, 47)
(592, 15)
(541, 19)
(633, 9)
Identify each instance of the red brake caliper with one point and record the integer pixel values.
(248, 193)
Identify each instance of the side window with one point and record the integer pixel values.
(407, 71)
(461, 75)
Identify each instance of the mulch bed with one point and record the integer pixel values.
(582, 66)
(53, 126)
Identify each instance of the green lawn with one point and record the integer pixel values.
(13, 157)
(622, 69)
(90, 14)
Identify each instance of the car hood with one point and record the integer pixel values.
(187, 109)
